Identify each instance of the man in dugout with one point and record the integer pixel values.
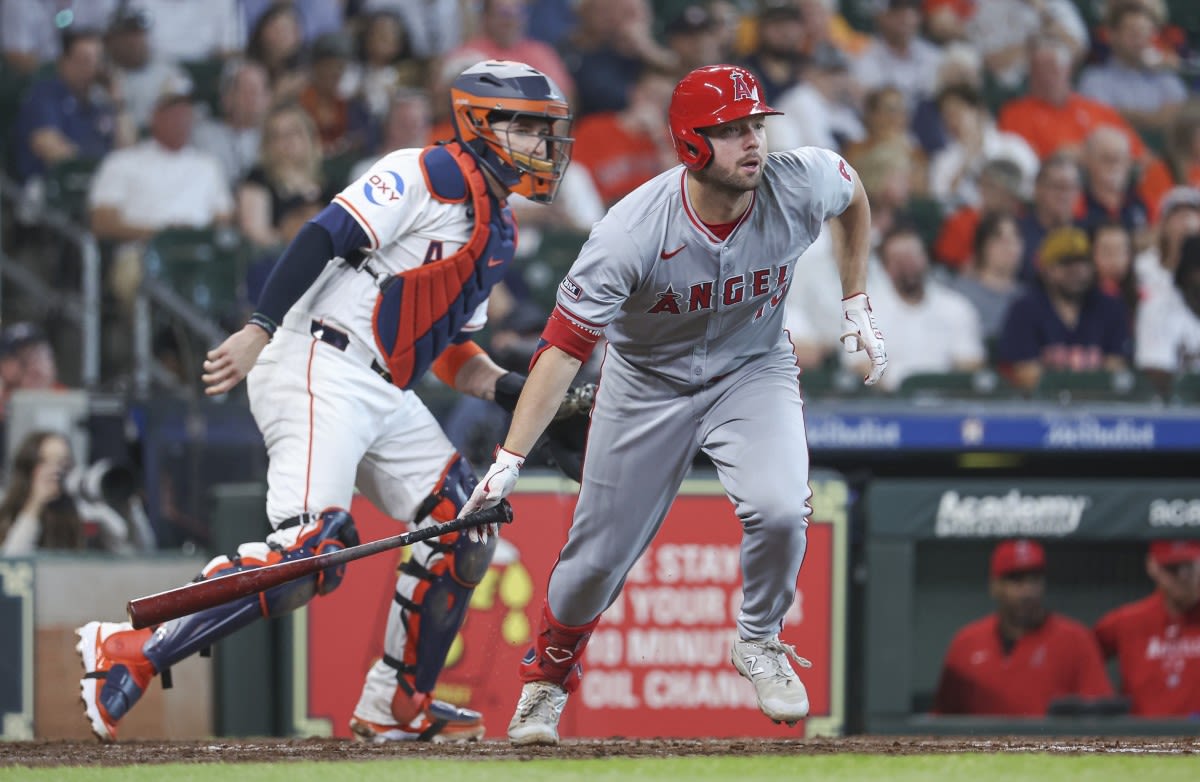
(1019, 660)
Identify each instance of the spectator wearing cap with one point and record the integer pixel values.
(930, 327)
(1109, 189)
(1066, 323)
(1134, 81)
(31, 30)
(1056, 193)
(1180, 164)
(973, 142)
(897, 55)
(1000, 189)
(778, 58)
(160, 182)
(1019, 660)
(343, 123)
(69, 115)
(694, 37)
(1168, 330)
(1179, 218)
(818, 111)
(1000, 30)
(503, 26)
(1053, 117)
(1156, 640)
(140, 72)
(234, 137)
(196, 30)
(623, 149)
(27, 361)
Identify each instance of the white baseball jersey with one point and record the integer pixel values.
(680, 302)
(406, 227)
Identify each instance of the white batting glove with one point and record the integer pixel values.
(497, 483)
(862, 333)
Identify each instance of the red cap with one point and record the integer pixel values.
(1014, 556)
(1172, 552)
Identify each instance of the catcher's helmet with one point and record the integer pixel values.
(712, 95)
(495, 90)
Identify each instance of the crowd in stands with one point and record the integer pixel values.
(981, 131)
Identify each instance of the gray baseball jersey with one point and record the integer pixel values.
(697, 360)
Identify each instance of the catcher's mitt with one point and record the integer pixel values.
(566, 436)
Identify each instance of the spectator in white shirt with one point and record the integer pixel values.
(974, 140)
(195, 30)
(234, 138)
(1178, 218)
(1001, 29)
(30, 36)
(817, 112)
(930, 328)
(1168, 334)
(897, 56)
(141, 75)
(159, 183)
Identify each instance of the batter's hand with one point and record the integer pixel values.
(497, 483)
(228, 363)
(862, 333)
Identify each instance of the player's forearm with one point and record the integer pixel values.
(548, 382)
(856, 225)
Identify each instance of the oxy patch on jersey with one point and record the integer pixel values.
(701, 296)
(384, 189)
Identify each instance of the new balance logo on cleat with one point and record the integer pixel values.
(752, 666)
(781, 694)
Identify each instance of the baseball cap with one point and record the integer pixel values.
(693, 19)
(1172, 552)
(20, 335)
(778, 10)
(1016, 556)
(129, 19)
(1178, 197)
(174, 89)
(1062, 245)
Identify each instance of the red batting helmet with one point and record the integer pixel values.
(712, 95)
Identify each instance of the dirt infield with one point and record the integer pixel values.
(64, 753)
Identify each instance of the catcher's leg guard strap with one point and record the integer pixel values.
(556, 652)
(330, 530)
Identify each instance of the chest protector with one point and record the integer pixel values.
(421, 311)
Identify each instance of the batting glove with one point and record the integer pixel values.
(862, 333)
(497, 483)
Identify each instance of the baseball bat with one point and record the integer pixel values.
(199, 595)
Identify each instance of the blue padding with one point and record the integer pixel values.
(446, 179)
(347, 235)
(387, 322)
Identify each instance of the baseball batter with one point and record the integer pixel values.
(389, 281)
(686, 277)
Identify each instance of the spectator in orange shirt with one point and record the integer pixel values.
(1019, 660)
(1156, 640)
(1052, 117)
(623, 149)
(1180, 165)
(999, 193)
(342, 124)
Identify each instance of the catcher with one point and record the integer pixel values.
(387, 283)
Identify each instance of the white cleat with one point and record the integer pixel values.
(538, 711)
(781, 694)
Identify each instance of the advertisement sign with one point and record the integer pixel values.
(657, 664)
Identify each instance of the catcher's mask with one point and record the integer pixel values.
(705, 98)
(499, 90)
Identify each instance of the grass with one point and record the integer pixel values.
(976, 767)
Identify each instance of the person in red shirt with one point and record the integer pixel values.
(1156, 640)
(1019, 660)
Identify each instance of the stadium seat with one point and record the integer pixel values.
(204, 265)
(1187, 388)
(955, 385)
(1100, 385)
(927, 216)
(206, 83)
(67, 186)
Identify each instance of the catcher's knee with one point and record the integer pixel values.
(453, 490)
(296, 538)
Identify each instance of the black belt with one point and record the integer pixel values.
(341, 340)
